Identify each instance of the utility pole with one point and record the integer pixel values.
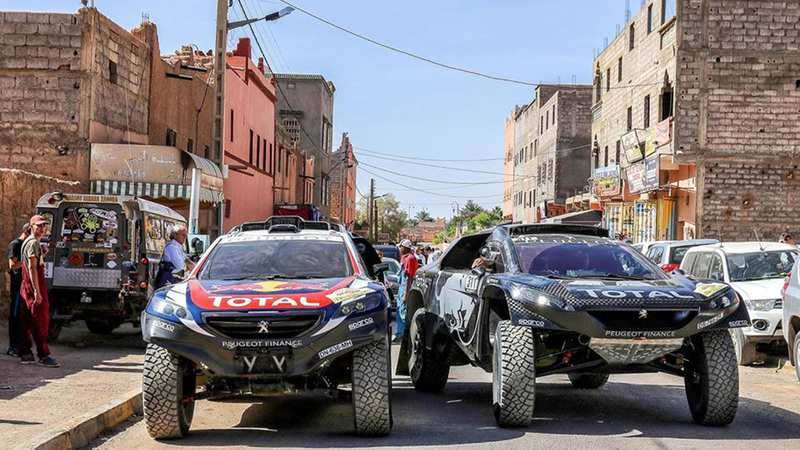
(345, 172)
(218, 125)
(370, 213)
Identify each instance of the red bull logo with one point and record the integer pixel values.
(268, 287)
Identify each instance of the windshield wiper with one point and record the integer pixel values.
(246, 277)
(611, 275)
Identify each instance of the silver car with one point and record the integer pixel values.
(791, 316)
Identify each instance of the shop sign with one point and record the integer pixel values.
(651, 180)
(606, 181)
(635, 175)
(632, 146)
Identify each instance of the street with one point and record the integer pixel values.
(631, 411)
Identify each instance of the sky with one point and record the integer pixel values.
(390, 103)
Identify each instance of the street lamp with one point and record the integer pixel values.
(455, 214)
(375, 214)
(269, 17)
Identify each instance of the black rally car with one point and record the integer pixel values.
(524, 301)
(282, 306)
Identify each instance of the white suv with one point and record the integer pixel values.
(756, 271)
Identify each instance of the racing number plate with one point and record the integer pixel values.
(271, 363)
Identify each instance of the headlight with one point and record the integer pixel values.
(358, 305)
(760, 305)
(725, 300)
(167, 308)
(532, 296)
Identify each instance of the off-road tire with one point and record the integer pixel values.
(746, 353)
(712, 379)
(796, 353)
(428, 373)
(168, 387)
(588, 380)
(103, 326)
(513, 375)
(372, 401)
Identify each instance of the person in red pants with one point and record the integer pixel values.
(34, 319)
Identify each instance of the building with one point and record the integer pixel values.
(508, 169)
(305, 109)
(67, 80)
(425, 231)
(343, 184)
(694, 120)
(551, 150)
(250, 153)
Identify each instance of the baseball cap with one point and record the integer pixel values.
(25, 227)
(36, 220)
(405, 243)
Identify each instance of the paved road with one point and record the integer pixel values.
(632, 411)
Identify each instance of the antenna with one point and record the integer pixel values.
(627, 11)
(758, 239)
(719, 236)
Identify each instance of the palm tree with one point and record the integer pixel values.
(470, 210)
(424, 216)
(497, 211)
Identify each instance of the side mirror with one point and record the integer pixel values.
(680, 271)
(479, 271)
(199, 246)
(716, 276)
(380, 267)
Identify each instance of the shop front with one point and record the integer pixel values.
(161, 174)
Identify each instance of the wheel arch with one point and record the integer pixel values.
(793, 327)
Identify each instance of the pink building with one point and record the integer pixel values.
(249, 139)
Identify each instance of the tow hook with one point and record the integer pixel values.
(85, 298)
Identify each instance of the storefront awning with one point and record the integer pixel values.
(591, 217)
(153, 171)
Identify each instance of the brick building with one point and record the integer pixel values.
(508, 168)
(67, 80)
(425, 231)
(305, 109)
(696, 133)
(552, 147)
(343, 184)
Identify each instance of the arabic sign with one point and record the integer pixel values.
(651, 180)
(632, 146)
(606, 181)
(635, 174)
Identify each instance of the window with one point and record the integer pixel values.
(555, 259)
(760, 265)
(258, 150)
(264, 156)
(666, 103)
(619, 70)
(647, 112)
(190, 146)
(172, 137)
(655, 254)
(716, 271)
(541, 125)
(649, 19)
(630, 118)
(112, 71)
(462, 253)
(667, 10)
(554, 114)
(606, 158)
(280, 156)
(632, 37)
(205, 151)
(701, 266)
(608, 79)
(619, 152)
(291, 86)
(292, 126)
(547, 120)
(688, 262)
(250, 159)
(231, 127)
(271, 159)
(596, 151)
(598, 86)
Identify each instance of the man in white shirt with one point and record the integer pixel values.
(435, 255)
(174, 251)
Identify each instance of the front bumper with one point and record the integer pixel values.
(773, 330)
(222, 356)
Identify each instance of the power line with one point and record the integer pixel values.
(462, 183)
(428, 159)
(422, 190)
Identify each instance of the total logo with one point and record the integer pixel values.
(222, 301)
(597, 293)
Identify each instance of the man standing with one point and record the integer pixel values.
(408, 268)
(174, 260)
(34, 319)
(435, 255)
(15, 273)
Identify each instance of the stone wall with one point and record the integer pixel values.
(573, 157)
(19, 193)
(738, 114)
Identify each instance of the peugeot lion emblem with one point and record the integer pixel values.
(263, 327)
(643, 314)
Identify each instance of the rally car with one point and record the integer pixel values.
(523, 301)
(281, 306)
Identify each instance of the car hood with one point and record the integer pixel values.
(210, 295)
(759, 289)
(675, 288)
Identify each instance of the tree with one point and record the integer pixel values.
(391, 219)
(470, 210)
(498, 211)
(423, 216)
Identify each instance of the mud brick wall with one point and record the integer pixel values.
(738, 114)
(19, 192)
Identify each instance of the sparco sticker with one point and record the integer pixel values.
(531, 323)
(335, 349)
(164, 326)
(738, 323)
(361, 323)
(709, 322)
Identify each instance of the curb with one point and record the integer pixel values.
(84, 429)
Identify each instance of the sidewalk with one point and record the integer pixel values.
(35, 400)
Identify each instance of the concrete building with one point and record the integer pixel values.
(250, 152)
(552, 147)
(508, 169)
(425, 231)
(343, 184)
(305, 109)
(704, 112)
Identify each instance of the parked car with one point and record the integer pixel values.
(669, 254)
(791, 316)
(282, 306)
(389, 251)
(756, 270)
(525, 301)
(104, 256)
(392, 277)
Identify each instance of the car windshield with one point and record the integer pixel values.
(760, 265)
(394, 266)
(585, 260)
(676, 254)
(266, 259)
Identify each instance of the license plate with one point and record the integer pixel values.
(265, 364)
